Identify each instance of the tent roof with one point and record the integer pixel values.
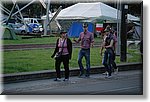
(89, 10)
(133, 18)
(96, 10)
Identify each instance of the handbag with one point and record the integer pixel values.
(58, 54)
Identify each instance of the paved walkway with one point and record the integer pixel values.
(125, 82)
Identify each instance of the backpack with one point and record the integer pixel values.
(108, 39)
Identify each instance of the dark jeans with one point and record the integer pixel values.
(84, 53)
(108, 60)
(65, 60)
(113, 62)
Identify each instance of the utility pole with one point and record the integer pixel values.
(141, 20)
(123, 56)
(118, 27)
(47, 18)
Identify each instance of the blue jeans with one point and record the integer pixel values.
(108, 60)
(84, 53)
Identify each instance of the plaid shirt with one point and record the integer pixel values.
(86, 39)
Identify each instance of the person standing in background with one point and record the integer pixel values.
(109, 33)
(114, 33)
(108, 43)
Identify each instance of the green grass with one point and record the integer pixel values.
(44, 40)
(28, 60)
(36, 60)
(134, 55)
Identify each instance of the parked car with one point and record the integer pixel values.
(34, 24)
(36, 28)
(22, 30)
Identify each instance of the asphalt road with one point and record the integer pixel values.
(124, 83)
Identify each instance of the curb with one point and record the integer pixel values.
(28, 76)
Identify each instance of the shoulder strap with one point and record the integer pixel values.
(63, 45)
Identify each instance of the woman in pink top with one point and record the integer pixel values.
(64, 46)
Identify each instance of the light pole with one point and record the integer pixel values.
(47, 18)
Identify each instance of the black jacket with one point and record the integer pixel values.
(69, 47)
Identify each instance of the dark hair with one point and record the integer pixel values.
(85, 24)
(63, 31)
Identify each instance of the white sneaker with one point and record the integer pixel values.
(116, 71)
(105, 73)
(107, 76)
(57, 79)
(66, 79)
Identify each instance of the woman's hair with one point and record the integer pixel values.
(63, 31)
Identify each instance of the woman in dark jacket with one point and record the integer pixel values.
(63, 45)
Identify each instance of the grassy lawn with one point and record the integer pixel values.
(35, 60)
(44, 40)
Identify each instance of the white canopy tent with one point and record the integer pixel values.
(132, 18)
(90, 11)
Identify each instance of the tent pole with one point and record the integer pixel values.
(22, 8)
(10, 14)
(22, 19)
(57, 12)
(44, 5)
(6, 11)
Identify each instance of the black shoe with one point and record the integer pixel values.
(81, 75)
(57, 79)
(87, 75)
